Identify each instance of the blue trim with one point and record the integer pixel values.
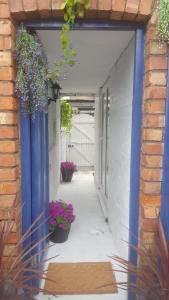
(45, 173)
(52, 24)
(165, 179)
(136, 148)
(25, 171)
(37, 190)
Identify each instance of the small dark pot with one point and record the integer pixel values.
(67, 175)
(59, 235)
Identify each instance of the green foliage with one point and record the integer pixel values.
(66, 116)
(163, 20)
(72, 10)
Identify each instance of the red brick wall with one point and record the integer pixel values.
(153, 130)
(153, 100)
(9, 134)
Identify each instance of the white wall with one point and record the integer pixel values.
(120, 84)
(54, 148)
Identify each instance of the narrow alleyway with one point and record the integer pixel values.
(90, 239)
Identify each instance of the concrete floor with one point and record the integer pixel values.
(90, 239)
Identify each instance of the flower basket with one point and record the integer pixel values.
(60, 218)
(67, 170)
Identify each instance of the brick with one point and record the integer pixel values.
(115, 15)
(7, 201)
(132, 6)
(153, 148)
(152, 161)
(8, 146)
(7, 73)
(131, 10)
(118, 5)
(4, 11)
(9, 187)
(93, 4)
(154, 106)
(156, 121)
(153, 92)
(150, 200)
(10, 250)
(148, 237)
(8, 118)
(150, 212)
(151, 174)
(6, 43)
(7, 174)
(156, 63)
(8, 132)
(12, 238)
(104, 5)
(44, 8)
(152, 188)
(153, 48)
(145, 7)
(151, 34)
(149, 224)
(152, 134)
(6, 27)
(30, 6)
(16, 8)
(8, 160)
(6, 88)
(6, 58)
(56, 11)
(8, 103)
(156, 78)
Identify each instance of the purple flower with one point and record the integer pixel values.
(60, 215)
(68, 166)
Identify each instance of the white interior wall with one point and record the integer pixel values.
(54, 148)
(120, 84)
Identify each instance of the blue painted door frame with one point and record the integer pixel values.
(29, 184)
(136, 150)
(35, 176)
(165, 177)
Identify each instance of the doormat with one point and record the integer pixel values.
(80, 278)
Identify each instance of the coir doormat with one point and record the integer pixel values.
(80, 278)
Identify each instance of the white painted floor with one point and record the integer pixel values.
(90, 239)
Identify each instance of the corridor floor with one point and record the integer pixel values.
(90, 239)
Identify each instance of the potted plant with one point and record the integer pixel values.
(20, 275)
(67, 170)
(150, 278)
(60, 218)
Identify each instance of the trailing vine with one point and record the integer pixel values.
(163, 20)
(72, 9)
(66, 116)
(31, 81)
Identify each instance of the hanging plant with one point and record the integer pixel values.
(66, 116)
(31, 80)
(163, 20)
(72, 9)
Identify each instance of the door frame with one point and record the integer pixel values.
(138, 28)
(164, 213)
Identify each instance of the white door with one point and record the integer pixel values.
(80, 148)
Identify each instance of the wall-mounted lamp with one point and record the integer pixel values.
(54, 91)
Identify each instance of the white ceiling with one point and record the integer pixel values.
(97, 52)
